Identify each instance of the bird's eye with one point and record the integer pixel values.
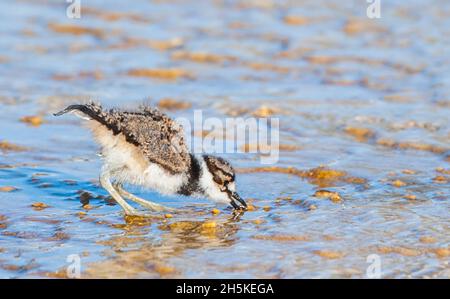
(217, 180)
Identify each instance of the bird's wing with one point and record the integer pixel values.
(159, 138)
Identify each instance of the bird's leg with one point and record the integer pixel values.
(145, 203)
(105, 182)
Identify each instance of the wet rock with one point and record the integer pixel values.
(320, 176)
(409, 171)
(360, 134)
(59, 236)
(285, 198)
(87, 207)
(265, 111)
(267, 67)
(172, 104)
(321, 59)
(413, 124)
(428, 239)
(329, 254)
(312, 207)
(330, 238)
(202, 57)
(81, 214)
(164, 45)
(85, 197)
(3, 223)
(258, 221)
(359, 26)
(8, 189)
(10, 267)
(295, 20)
(38, 206)
(441, 252)
(443, 170)
(33, 120)
(166, 74)
(399, 250)
(251, 208)
(5, 146)
(410, 197)
(440, 179)
(411, 145)
(333, 196)
(209, 224)
(75, 30)
(139, 221)
(267, 208)
(164, 270)
(61, 273)
(322, 173)
(398, 183)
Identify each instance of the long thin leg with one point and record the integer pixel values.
(145, 203)
(106, 183)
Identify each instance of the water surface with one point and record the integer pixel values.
(366, 100)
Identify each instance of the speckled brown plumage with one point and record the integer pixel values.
(221, 170)
(160, 139)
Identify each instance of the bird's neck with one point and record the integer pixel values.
(194, 174)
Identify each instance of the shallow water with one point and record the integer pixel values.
(367, 99)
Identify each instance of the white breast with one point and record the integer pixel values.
(159, 179)
(127, 164)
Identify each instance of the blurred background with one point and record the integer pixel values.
(364, 136)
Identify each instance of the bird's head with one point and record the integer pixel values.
(218, 182)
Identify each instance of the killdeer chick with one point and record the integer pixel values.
(147, 148)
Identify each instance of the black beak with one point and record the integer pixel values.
(237, 202)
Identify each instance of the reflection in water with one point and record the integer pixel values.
(152, 256)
